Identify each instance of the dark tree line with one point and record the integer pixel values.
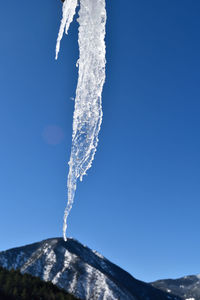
(15, 286)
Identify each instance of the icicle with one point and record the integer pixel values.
(88, 108)
(69, 10)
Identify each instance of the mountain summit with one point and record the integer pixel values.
(80, 271)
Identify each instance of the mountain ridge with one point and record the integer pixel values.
(83, 272)
(187, 287)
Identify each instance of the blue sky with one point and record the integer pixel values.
(139, 205)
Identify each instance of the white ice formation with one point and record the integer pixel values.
(91, 77)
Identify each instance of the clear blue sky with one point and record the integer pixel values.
(139, 205)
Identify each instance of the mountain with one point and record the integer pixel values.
(16, 286)
(187, 287)
(80, 271)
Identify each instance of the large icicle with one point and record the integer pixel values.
(88, 108)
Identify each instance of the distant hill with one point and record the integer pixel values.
(15, 286)
(82, 272)
(187, 287)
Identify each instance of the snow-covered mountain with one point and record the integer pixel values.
(79, 270)
(187, 287)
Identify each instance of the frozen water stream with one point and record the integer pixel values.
(91, 77)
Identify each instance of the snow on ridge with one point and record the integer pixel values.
(87, 282)
(50, 261)
(68, 257)
(98, 254)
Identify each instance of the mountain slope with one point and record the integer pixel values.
(80, 271)
(187, 287)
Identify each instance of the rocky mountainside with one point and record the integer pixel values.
(187, 287)
(80, 271)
